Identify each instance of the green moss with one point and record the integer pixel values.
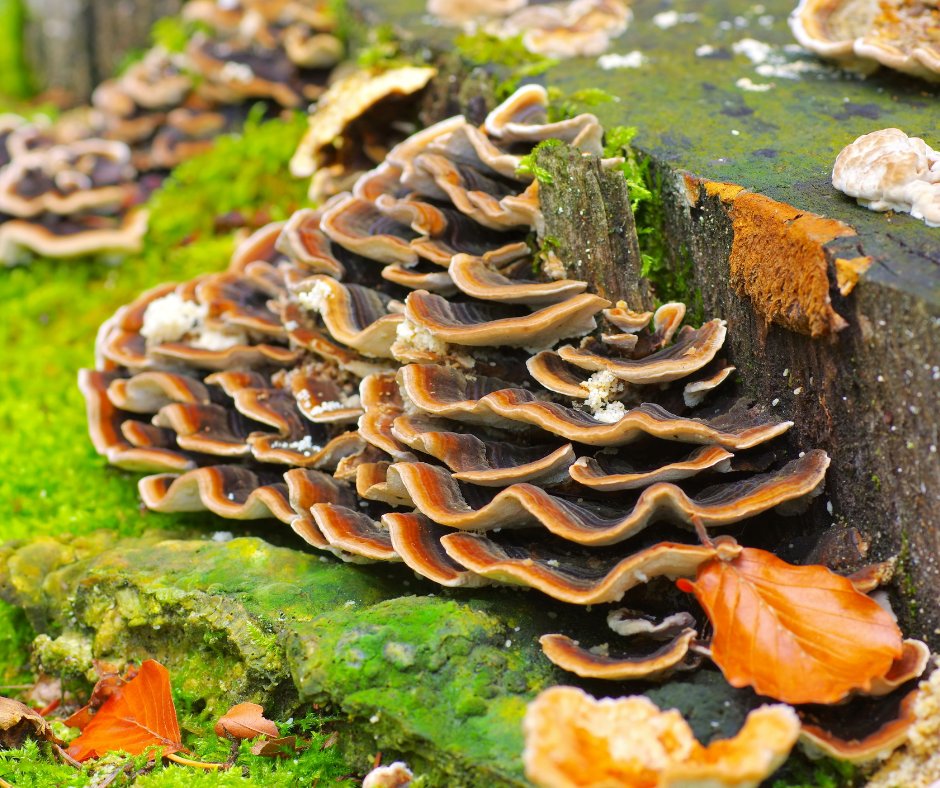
(454, 704)
(33, 766)
(527, 165)
(14, 76)
(245, 172)
(507, 57)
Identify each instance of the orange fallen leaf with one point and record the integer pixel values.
(245, 721)
(137, 715)
(109, 680)
(800, 634)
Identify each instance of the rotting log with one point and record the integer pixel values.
(866, 388)
(76, 44)
(867, 392)
(589, 225)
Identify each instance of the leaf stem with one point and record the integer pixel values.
(703, 536)
(66, 758)
(4, 783)
(186, 762)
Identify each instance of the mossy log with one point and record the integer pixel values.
(439, 682)
(866, 389)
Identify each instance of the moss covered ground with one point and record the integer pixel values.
(53, 482)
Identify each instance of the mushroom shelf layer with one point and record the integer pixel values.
(745, 151)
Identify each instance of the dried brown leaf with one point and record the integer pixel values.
(18, 722)
(279, 748)
(245, 721)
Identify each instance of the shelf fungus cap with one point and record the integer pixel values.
(346, 100)
(889, 171)
(583, 28)
(866, 33)
(395, 775)
(457, 12)
(575, 741)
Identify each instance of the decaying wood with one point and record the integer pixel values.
(75, 44)
(588, 215)
(868, 395)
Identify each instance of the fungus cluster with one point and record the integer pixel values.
(889, 171)
(74, 187)
(358, 119)
(394, 377)
(64, 199)
(572, 28)
(899, 34)
(170, 105)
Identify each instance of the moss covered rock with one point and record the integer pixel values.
(439, 681)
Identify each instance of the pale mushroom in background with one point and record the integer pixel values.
(889, 171)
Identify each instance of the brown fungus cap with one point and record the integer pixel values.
(346, 100)
(599, 663)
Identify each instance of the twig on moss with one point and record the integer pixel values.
(195, 764)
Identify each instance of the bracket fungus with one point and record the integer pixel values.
(898, 34)
(318, 381)
(575, 741)
(889, 171)
(64, 200)
(573, 28)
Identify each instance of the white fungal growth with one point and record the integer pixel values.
(330, 406)
(315, 299)
(305, 446)
(889, 171)
(601, 386)
(611, 413)
(220, 340)
(634, 59)
(754, 50)
(745, 83)
(170, 318)
(237, 72)
(420, 338)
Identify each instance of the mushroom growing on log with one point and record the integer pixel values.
(461, 440)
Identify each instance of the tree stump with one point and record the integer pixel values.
(589, 225)
(76, 44)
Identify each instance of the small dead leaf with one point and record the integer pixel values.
(800, 634)
(280, 748)
(109, 681)
(46, 691)
(330, 740)
(137, 715)
(18, 722)
(246, 721)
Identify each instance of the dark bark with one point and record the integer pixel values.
(590, 226)
(75, 44)
(869, 395)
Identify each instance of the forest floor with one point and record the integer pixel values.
(55, 484)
